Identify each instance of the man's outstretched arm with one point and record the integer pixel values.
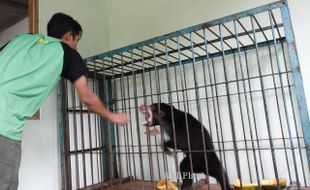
(94, 104)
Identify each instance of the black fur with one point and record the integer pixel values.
(162, 115)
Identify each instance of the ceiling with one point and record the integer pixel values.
(11, 12)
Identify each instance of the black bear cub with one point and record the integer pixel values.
(165, 115)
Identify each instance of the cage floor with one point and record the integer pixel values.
(147, 185)
(134, 185)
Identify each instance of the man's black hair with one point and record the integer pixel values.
(60, 24)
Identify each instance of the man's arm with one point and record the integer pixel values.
(94, 104)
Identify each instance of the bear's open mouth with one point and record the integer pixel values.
(146, 110)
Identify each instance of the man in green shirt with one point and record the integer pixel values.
(30, 67)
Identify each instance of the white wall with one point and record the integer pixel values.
(40, 167)
(92, 15)
(136, 20)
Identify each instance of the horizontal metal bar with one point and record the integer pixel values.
(214, 150)
(214, 55)
(171, 51)
(215, 141)
(191, 29)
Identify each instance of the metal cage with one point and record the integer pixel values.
(239, 75)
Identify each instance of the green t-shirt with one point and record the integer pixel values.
(30, 66)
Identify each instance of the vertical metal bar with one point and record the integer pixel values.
(265, 105)
(98, 133)
(157, 86)
(229, 107)
(64, 135)
(75, 138)
(218, 115)
(216, 109)
(61, 119)
(284, 102)
(91, 137)
(155, 137)
(131, 137)
(126, 136)
(156, 147)
(286, 71)
(98, 152)
(247, 104)
(82, 142)
(253, 113)
(166, 172)
(124, 109)
(110, 142)
(174, 133)
(171, 106)
(185, 99)
(117, 147)
(291, 103)
(165, 161)
(239, 99)
(90, 148)
(181, 78)
(151, 91)
(250, 97)
(299, 89)
(199, 107)
(113, 132)
(103, 129)
(98, 130)
(176, 87)
(205, 83)
(137, 119)
(242, 117)
(97, 155)
(275, 87)
(214, 100)
(148, 141)
(131, 132)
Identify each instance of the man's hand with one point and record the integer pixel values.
(119, 118)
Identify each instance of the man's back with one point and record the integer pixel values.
(30, 66)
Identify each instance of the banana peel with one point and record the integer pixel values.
(249, 186)
(266, 184)
(270, 184)
(165, 184)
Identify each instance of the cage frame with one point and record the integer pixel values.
(292, 52)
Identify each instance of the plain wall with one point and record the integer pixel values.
(92, 15)
(136, 20)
